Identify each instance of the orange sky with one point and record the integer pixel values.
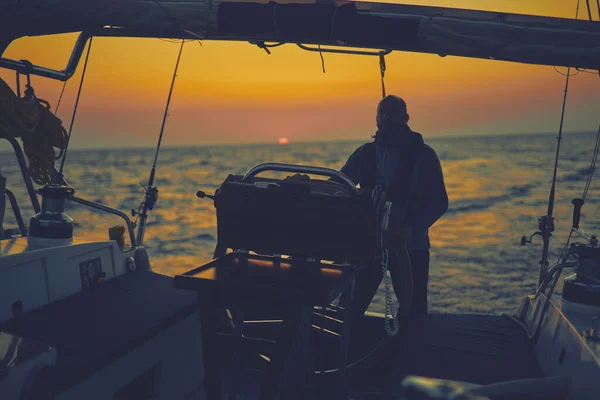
(235, 92)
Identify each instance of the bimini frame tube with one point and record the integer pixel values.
(64, 75)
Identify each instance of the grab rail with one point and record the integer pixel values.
(17, 212)
(109, 210)
(304, 169)
(35, 203)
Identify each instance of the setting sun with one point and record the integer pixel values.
(283, 140)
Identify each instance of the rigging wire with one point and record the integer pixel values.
(592, 166)
(85, 64)
(322, 59)
(589, 9)
(565, 247)
(60, 97)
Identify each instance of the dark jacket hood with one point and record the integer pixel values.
(409, 140)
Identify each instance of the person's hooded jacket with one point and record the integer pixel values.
(410, 172)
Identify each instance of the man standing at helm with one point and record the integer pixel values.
(410, 173)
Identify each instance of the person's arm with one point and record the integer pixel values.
(431, 201)
(352, 167)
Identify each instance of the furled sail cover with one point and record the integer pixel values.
(437, 30)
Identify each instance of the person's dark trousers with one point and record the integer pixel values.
(420, 267)
(369, 278)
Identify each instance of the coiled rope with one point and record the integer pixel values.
(41, 132)
(390, 319)
(404, 284)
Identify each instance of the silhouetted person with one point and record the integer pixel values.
(411, 175)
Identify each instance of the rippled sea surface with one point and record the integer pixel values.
(498, 187)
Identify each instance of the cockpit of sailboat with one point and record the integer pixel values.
(271, 313)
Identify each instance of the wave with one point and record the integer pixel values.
(580, 176)
(469, 205)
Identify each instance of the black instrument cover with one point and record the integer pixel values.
(289, 218)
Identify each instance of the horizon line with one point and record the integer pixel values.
(345, 140)
(274, 143)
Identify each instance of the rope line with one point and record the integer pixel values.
(40, 130)
(382, 70)
(60, 97)
(322, 59)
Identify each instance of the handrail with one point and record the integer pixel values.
(35, 203)
(16, 211)
(109, 210)
(300, 169)
(101, 207)
(592, 239)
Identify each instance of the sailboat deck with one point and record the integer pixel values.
(480, 349)
(91, 330)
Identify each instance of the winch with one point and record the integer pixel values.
(51, 227)
(583, 286)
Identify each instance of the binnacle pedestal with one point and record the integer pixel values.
(245, 283)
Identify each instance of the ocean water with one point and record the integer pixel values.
(498, 188)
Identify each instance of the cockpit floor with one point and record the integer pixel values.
(473, 348)
(470, 348)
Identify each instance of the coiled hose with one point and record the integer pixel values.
(40, 131)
